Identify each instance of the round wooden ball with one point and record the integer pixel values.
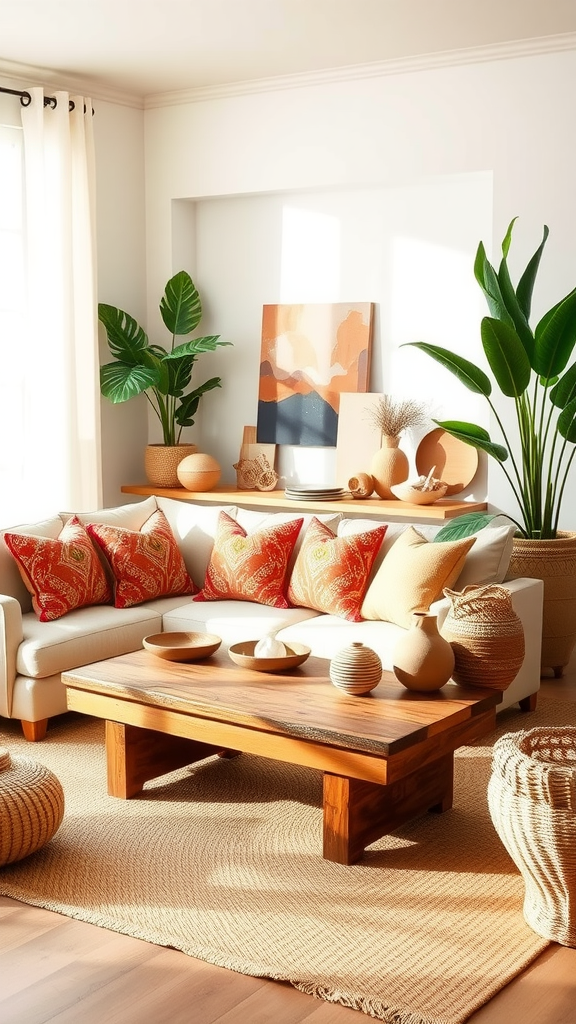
(198, 472)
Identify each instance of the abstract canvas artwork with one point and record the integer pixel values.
(310, 354)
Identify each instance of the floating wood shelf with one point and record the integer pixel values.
(277, 501)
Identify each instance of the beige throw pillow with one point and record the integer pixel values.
(412, 576)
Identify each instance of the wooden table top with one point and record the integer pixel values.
(302, 702)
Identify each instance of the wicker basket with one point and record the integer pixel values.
(532, 802)
(486, 635)
(31, 806)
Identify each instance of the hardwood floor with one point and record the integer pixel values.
(56, 969)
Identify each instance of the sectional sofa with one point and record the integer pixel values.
(34, 653)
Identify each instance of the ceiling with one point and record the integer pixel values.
(145, 47)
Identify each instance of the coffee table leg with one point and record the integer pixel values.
(135, 755)
(356, 813)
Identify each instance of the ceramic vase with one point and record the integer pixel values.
(486, 635)
(198, 472)
(389, 466)
(356, 669)
(423, 659)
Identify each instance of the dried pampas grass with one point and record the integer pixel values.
(392, 416)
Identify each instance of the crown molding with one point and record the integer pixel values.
(24, 76)
(376, 69)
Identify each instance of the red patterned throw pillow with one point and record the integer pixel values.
(145, 563)
(250, 567)
(61, 573)
(331, 573)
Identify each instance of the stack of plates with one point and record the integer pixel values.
(315, 493)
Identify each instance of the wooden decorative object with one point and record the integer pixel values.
(198, 472)
(31, 806)
(251, 452)
(456, 462)
(182, 646)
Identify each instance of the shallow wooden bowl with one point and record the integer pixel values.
(404, 492)
(243, 654)
(182, 646)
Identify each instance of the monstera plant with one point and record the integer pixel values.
(531, 367)
(162, 374)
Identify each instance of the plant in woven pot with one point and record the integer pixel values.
(389, 465)
(531, 368)
(162, 374)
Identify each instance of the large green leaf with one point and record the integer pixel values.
(567, 422)
(180, 306)
(488, 280)
(126, 339)
(506, 355)
(526, 282)
(555, 337)
(467, 373)
(565, 390)
(189, 404)
(465, 525)
(472, 434)
(195, 346)
(513, 306)
(121, 381)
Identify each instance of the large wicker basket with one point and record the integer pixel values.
(486, 635)
(31, 806)
(532, 801)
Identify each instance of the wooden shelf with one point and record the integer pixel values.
(277, 501)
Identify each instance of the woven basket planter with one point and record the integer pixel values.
(553, 562)
(31, 806)
(162, 460)
(486, 635)
(532, 802)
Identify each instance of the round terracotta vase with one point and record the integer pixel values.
(553, 562)
(389, 466)
(356, 669)
(198, 472)
(161, 462)
(423, 660)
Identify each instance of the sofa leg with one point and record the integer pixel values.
(34, 731)
(529, 703)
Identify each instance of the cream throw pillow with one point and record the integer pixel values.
(412, 576)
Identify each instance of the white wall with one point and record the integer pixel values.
(422, 163)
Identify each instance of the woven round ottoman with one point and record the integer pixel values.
(532, 802)
(31, 806)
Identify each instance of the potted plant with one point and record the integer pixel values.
(163, 375)
(531, 368)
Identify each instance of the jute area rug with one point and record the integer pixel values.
(224, 862)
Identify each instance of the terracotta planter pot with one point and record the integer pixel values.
(554, 562)
(162, 460)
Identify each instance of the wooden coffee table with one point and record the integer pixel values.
(386, 757)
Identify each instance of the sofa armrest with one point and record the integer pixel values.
(11, 637)
(527, 597)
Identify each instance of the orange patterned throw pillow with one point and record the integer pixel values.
(61, 573)
(250, 567)
(331, 573)
(145, 563)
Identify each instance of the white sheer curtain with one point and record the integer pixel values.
(61, 445)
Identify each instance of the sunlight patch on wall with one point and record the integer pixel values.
(310, 256)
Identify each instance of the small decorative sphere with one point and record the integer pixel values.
(198, 472)
(356, 669)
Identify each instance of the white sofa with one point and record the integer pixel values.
(33, 654)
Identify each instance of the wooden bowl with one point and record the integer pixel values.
(182, 646)
(243, 655)
(405, 492)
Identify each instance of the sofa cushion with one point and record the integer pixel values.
(11, 582)
(194, 527)
(82, 636)
(331, 573)
(145, 563)
(252, 520)
(489, 558)
(130, 516)
(412, 576)
(61, 573)
(250, 567)
(234, 621)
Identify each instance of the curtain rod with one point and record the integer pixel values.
(49, 101)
